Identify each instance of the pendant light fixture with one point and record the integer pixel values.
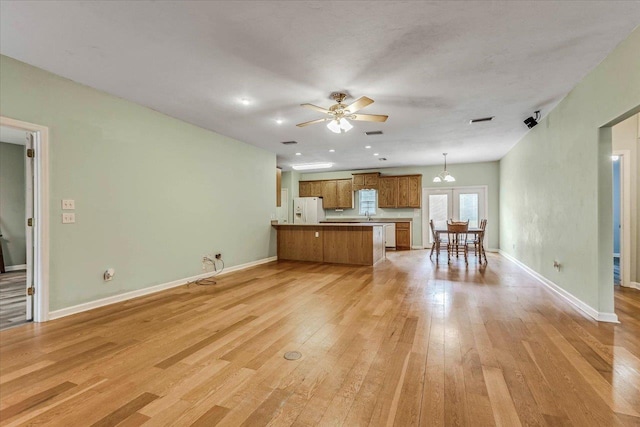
(444, 175)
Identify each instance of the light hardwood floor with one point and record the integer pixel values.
(13, 301)
(403, 343)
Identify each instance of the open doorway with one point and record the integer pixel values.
(626, 195)
(16, 234)
(35, 217)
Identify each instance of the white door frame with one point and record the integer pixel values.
(426, 230)
(625, 213)
(41, 215)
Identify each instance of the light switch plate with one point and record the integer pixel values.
(68, 218)
(68, 204)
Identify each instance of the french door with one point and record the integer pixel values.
(458, 204)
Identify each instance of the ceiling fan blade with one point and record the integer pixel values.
(370, 117)
(311, 122)
(315, 107)
(359, 104)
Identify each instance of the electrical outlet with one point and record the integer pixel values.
(68, 218)
(108, 275)
(68, 204)
(218, 256)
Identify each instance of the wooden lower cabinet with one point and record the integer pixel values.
(403, 236)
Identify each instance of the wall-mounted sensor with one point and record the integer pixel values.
(531, 121)
(108, 275)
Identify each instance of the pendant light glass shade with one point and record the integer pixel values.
(444, 175)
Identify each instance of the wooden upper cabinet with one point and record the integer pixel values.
(399, 191)
(387, 192)
(329, 194)
(365, 181)
(415, 191)
(304, 189)
(335, 193)
(316, 188)
(345, 193)
(278, 187)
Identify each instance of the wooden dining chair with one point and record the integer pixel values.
(477, 241)
(437, 242)
(457, 240)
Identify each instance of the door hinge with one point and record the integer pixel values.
(31, 291)
(30, 222)
(31, 153)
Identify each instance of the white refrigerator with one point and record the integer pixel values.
(307, 210)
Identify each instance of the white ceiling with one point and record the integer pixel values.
(431, 66)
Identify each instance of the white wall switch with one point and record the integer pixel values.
(68, 204)
(68, 218)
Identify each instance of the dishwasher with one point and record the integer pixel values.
(390, 236)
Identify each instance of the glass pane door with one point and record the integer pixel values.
(468, 205)
(440, 208)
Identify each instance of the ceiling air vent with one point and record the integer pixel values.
(483, 119)
(373, 132)
(289, 142)
(383, 159)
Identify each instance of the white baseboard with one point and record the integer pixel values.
(150, 290)
(633, 285)
(417, 247)
(15, 267)
(569, 297)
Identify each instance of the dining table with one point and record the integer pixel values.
(473, 231)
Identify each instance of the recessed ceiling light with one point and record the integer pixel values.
(279, 121)
(376, 154)
(245, 101)
(367, 146)
(332, 151)
(308, 166)
(298, 154)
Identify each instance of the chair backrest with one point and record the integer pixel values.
(483, 224)
(433, 230)
(457, 231)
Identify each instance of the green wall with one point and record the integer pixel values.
(152, 193)
(12, 204)
(469, 174)
(555, 184)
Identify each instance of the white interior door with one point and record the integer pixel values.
(29, 225)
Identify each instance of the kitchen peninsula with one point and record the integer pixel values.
(358, 243)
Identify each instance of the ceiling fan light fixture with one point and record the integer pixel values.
(333, 126)
(345, 125)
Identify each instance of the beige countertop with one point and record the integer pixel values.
(336, 224)
(364, 220)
